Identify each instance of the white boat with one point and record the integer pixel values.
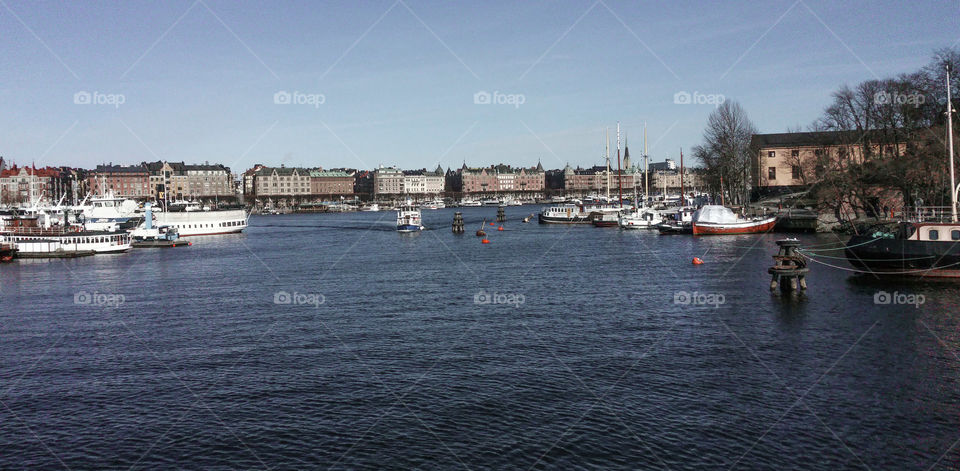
(433, 204)
(491, 202)
(149, 234)
(107, 212)
(715, 219)
(44, 243)
(196, 223)
(574, 213)
(371, 207)
(470, 203)
(408, 218)
(640, 218)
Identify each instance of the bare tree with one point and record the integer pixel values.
(726, 154)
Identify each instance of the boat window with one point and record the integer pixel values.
(955, 234)
(933, 234)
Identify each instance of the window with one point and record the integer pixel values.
(771, 154)
(955, 234)
(795, 153)
(934, 234)
(818, 152)
(796, 172)
(772, 173)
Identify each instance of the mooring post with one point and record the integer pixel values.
(500, 214)
(458, 223)
(790, 268)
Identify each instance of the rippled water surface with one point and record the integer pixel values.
(553, 347)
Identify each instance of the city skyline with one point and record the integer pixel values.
(417, 84)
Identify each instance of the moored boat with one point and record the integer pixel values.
(717, 220)
(196, 223)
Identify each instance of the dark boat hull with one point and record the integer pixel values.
(904, 257)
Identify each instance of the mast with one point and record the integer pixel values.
(619, 179)
(683, 199)
(607, 134)
(646, 167)
(953, 183)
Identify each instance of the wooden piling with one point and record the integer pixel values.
(790, 268)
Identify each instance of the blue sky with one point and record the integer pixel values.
(398, 78)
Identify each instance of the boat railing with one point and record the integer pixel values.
(927, 213)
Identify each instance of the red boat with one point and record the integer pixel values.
(715, 220)
(7, 252)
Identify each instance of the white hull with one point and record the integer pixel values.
(86, 241)
(197, 223)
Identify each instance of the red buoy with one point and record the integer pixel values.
(697, 261)
(492, 224)
(500, 228)
(485, 241)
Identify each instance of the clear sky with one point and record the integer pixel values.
(198, 80)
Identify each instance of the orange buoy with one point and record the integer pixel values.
(485, 241)
(492, 224)
(697, 261)
(500, 228)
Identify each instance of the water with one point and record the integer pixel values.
(582, 359)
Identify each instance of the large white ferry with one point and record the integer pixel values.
(197, 223)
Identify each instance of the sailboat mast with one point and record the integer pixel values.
(953, 182)
(646, 167)
(683, 200)
(619, 179)
(607, 134)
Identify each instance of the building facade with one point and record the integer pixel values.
(335, 182)
(498, 179)
(127, 181)
(281, 181)
(28, 185)
(387, 181)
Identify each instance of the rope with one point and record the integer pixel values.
(840, 248)
(864, 259)
(884, 272)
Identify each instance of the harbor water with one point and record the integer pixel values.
(330, 341)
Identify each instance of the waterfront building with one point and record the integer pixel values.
(793, 161)
(127, 181)
(596, 180)
(281, 181)
(424, 182)
(180, 181)
(331, 182)
(26, 185)
(387, 181)
(500, 179)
